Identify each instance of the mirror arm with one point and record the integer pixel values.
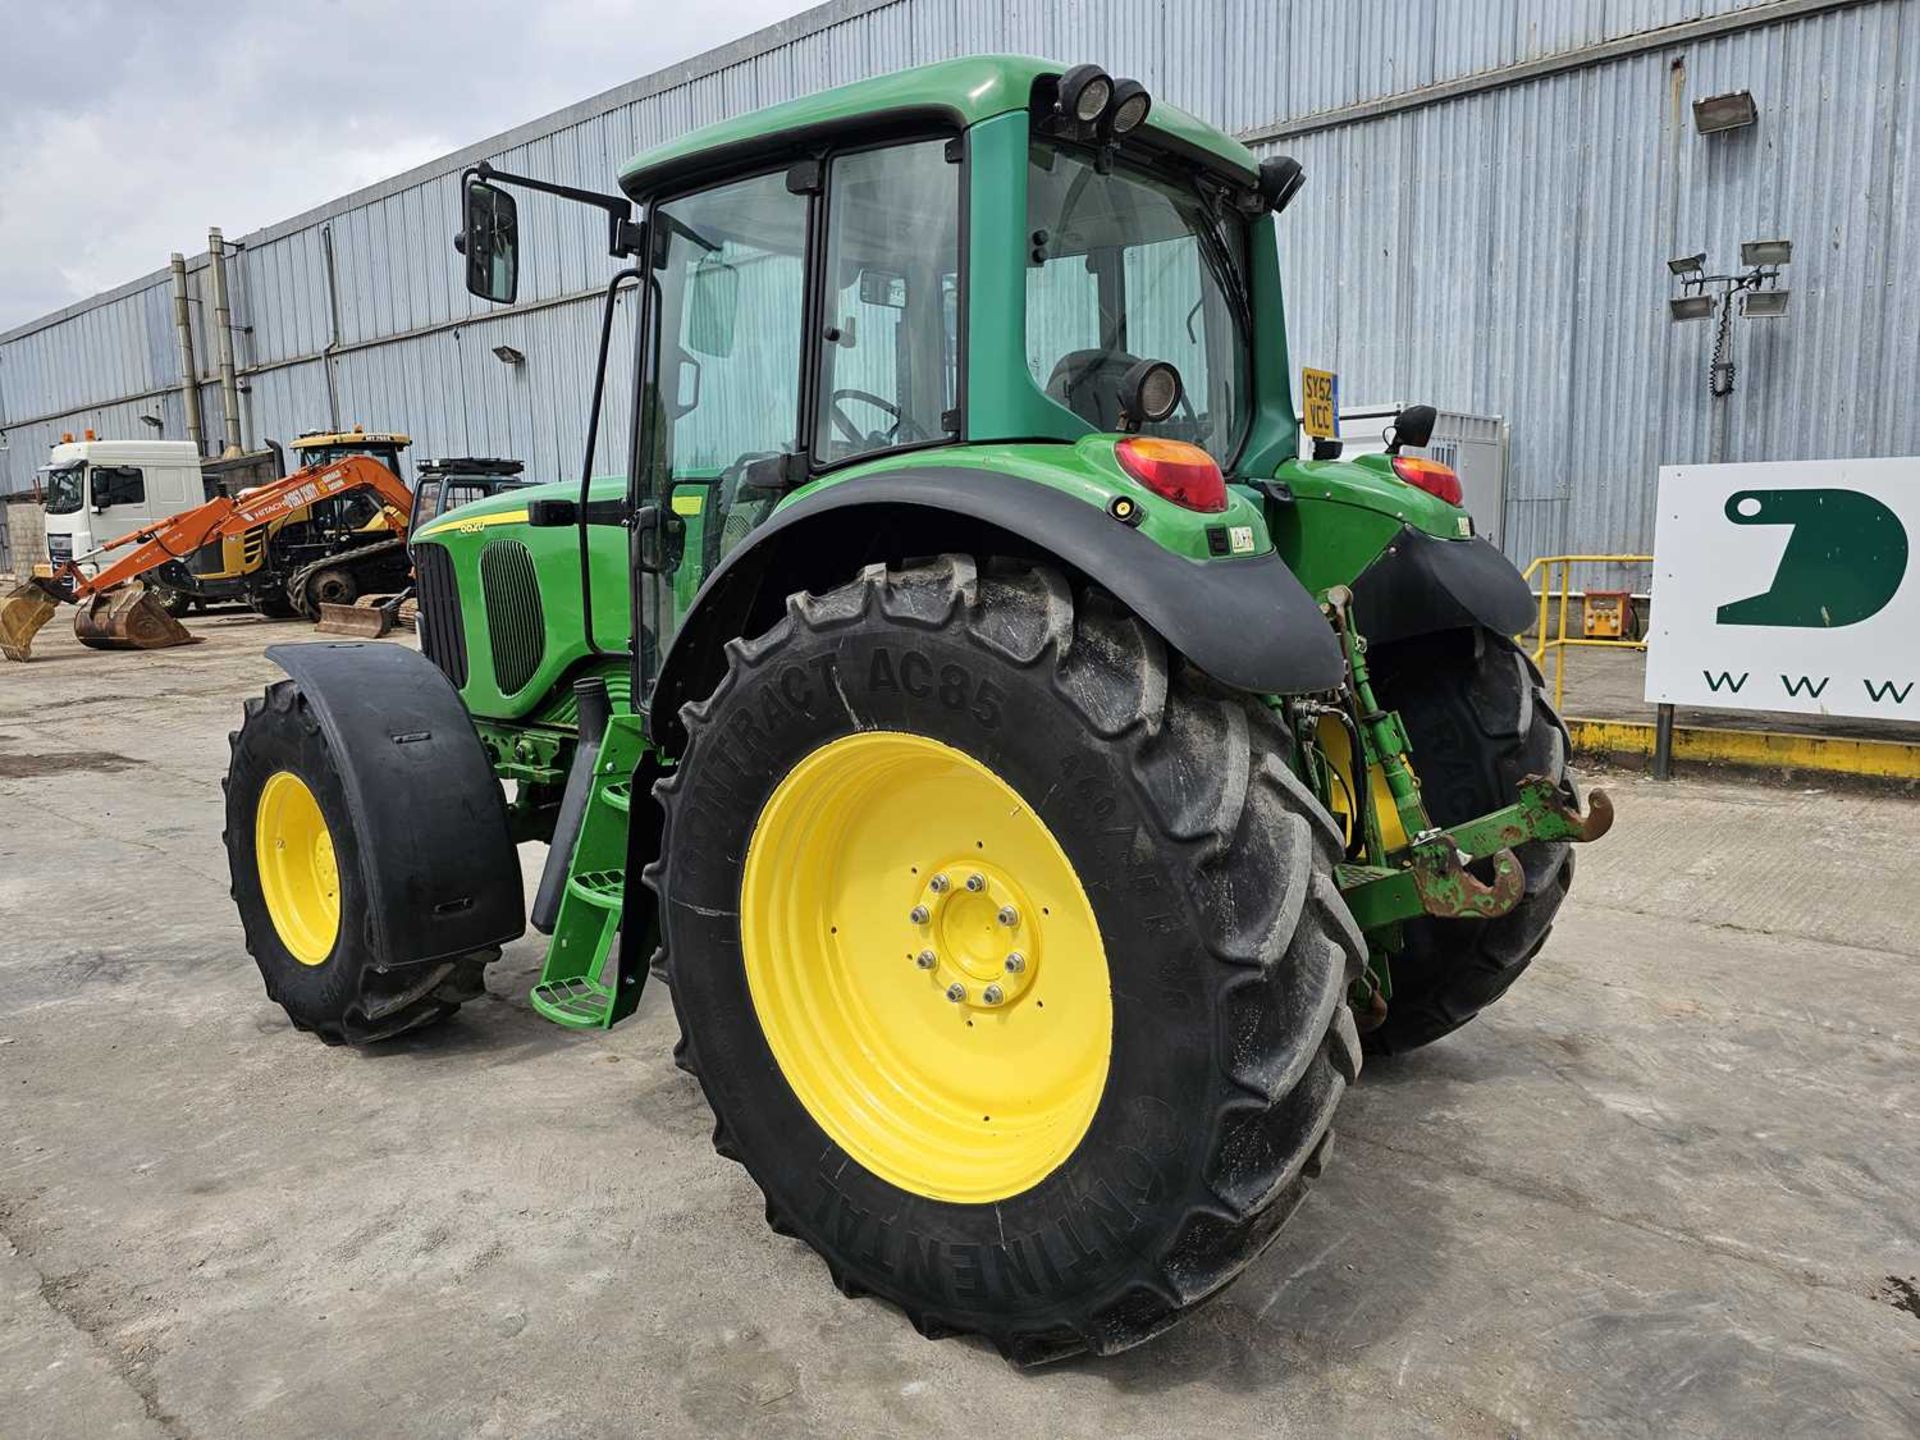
(623, 235)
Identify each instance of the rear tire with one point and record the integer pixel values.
(1480, 721)
(1207, 870)
(319, 960)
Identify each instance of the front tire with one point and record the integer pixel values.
(1480, 721)
(296, 866)
(1150, 858)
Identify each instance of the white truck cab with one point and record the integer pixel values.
(99, 490)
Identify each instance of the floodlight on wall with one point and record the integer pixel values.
(1717, 113)
(1766, 252)
(506, 354)
(154, 420)
(1764, 304)
(1691, 307)
(1688, 264)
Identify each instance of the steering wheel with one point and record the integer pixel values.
(904, 428)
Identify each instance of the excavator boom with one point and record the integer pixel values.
(118, 622)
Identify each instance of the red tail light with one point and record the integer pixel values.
(1174, 470)
(1429, 475)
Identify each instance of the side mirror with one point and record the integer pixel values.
(1281, 177)
(713, 301)
(490, 239)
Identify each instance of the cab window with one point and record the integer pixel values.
(118, 485)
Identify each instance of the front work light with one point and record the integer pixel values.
(1766, 252)
(1429, 475)
(1131, 102)
(1085, 91)
(1691, 307)
(1174, 470)
(1764, 304)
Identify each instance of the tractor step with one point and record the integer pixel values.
(581, 984)
(605, 888)
(578, 1003)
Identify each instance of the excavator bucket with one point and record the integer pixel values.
(26, 608)
(363, 621)
(128, 619)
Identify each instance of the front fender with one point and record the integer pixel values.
(429, 817)
(1247, 622)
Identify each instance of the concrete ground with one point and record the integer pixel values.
(1671, 1185)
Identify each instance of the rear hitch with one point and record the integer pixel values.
(1432, 878)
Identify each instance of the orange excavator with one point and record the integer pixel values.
(117, 613)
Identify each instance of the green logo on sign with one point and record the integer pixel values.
(1844, 560)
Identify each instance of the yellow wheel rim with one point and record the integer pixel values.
(299, 878)
(890, 881)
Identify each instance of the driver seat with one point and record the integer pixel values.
(1087, 382)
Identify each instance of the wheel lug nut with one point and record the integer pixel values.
(1016, 962)
(1009, 916)
(993, 995)
(976, 882)
(939, 884)
(956, 992)
(926, 959)
(919, 915)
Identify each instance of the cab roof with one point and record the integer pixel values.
(958, 93)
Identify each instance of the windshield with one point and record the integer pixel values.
(1128, 266)
(67, 489)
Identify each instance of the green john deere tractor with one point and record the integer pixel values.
(1036, 785)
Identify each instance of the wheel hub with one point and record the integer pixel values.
(983, 938)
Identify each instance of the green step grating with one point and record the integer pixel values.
(582, 1004)
(605, 888)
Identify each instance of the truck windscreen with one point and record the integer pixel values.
(66, 489)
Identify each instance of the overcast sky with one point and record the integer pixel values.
(127, 127)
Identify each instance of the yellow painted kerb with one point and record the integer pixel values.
(1766, 749)
(926, 967)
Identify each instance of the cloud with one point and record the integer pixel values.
(128, 127)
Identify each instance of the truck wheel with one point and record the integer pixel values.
(1480, 722)
(298, 882)
(1007, 951)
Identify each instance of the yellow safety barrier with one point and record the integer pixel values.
(1559, 641)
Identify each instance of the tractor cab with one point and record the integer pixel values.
(323, 447)
(447, 484)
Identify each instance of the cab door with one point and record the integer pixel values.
(720, 422)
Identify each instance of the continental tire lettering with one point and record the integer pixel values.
(916, 674)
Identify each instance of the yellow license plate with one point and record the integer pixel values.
(1320, 389)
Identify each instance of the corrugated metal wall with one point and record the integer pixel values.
(1497, 251)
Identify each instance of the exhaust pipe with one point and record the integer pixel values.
(223, 341)
(183, 328)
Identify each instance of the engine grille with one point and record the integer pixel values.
(443, 637)
(516, 628)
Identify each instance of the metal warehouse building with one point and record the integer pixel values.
(1495, 187)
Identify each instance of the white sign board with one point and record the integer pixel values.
(1788, 586)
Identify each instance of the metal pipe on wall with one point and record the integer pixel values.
(223, 339)
(333, 315)
(183, 326)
